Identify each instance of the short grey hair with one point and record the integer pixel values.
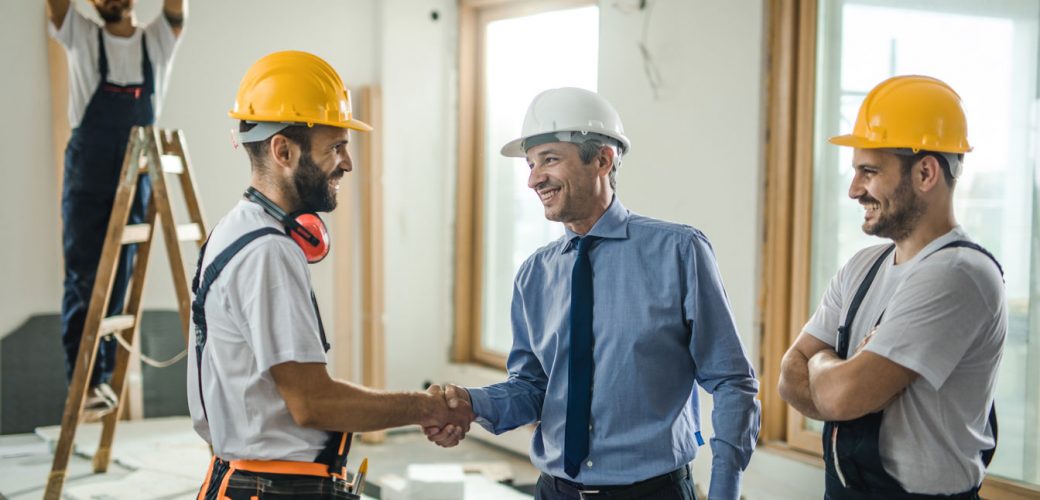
(589, 149)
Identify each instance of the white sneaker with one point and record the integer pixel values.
(100, 401)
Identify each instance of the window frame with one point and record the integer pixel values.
(787, 246)
(474, 16)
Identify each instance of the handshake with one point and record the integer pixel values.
(448, 415)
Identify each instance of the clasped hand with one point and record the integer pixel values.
(451, 415)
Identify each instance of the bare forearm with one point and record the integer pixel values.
(351, 408)
(58, 9)
(794, 385)
(826, 386)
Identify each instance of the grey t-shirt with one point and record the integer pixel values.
(945, 318)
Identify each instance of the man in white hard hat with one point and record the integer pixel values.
(614, 326)
(901, 356)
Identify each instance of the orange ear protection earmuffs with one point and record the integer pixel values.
(304, 227)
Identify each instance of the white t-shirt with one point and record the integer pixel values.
(259, 314)
(945, 318)
(78, 35)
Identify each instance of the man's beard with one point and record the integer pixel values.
(905, 211)
(313, 187)
(113, 15)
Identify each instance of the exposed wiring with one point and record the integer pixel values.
(653, 74)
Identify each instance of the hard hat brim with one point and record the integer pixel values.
(514, 149)
(853, 142)
(857, 142)
(351, 123)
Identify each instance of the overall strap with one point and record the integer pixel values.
(845, 331)
(147, 74)
(201, 289)
(102, 56)
(973, 246)
(321, 326)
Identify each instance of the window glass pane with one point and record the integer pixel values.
(987, 51)
(519, 63)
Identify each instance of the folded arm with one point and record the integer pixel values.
(794, 375)
(848, 389)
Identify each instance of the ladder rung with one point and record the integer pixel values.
(116, 323)
(189, 232)
(172, 164)
(136, 233)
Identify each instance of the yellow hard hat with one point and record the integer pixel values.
(294, 87)
(912, 112)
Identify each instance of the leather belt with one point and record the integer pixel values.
(619, 491)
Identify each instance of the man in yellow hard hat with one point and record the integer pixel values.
(117, 79)
(900, 358)
(258, 388)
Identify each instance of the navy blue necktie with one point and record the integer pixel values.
(579, 376)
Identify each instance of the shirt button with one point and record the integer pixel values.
(589, 463)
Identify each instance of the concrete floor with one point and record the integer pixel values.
(164, 459)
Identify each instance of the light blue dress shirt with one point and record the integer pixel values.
(661, 321)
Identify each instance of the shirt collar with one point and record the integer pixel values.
(613, 224)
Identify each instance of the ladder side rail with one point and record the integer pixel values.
(133, 307)
(188, 185)
(169, 229)
(99, 300)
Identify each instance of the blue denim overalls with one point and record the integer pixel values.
(93, 161)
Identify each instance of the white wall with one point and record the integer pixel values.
(30, 262)
(696, 154)
(417, 73)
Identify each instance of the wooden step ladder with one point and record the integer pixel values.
(164, 152)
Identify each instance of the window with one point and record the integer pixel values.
(988, 53)
(507, 59)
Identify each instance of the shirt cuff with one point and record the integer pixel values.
(725, 481)
(481, 403)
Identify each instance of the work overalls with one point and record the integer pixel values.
(93, 161)
(325, 478)
(850, 449)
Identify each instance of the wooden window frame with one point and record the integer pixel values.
(474, 16)
(787, 247)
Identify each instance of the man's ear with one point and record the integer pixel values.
(282, 151)
(605, 160)
(929, 173)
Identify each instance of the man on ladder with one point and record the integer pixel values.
(117, 77)
(258, 388)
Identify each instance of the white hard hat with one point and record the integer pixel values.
(572, 115)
